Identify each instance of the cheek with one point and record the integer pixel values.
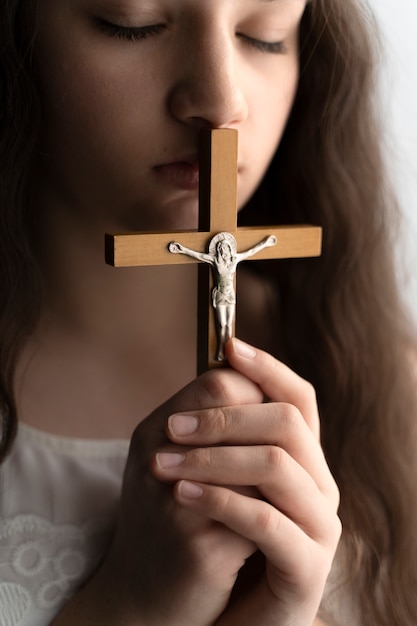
(270, 109)
(90, 98)
(81, 105)
(93, 135)
(276, 101)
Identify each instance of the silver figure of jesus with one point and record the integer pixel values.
(223, 258)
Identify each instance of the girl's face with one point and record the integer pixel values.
(127, 84)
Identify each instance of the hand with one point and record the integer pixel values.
(271, 240)
(275, 448)
(175, 248)
(169, 565)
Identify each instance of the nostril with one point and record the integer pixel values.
(200, 122)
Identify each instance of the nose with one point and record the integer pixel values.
(208, 91)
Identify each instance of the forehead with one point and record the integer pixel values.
(143, 4)
(291, 8)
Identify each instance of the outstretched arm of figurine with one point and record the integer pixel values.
(265, 243)
(177, 248)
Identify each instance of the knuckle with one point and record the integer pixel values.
(217, 420)
(221, 503)
(226, 387)
(215, 388)
(289, 416)
(337, 530)
(267, 520)
(334, 493)
(275, 459)
(272, 457)
(330, 533)
(309, 391)
(331, 491)
(201, 458)
(310, 406)
(272, 364)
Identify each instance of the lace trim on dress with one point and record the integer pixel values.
(44, 563)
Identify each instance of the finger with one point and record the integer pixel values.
(284, 543)
(277, 477)
(276, 424)
(277, 381)
(213, 389)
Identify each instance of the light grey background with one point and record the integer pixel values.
(398, 23)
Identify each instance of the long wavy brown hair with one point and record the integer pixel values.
(341, 321)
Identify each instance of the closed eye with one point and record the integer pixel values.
(129, 33)
(271, 47)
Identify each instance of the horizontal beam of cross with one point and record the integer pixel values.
(127, 250)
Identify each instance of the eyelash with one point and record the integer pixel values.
(273, 47)
(129, 33)
(140, 33)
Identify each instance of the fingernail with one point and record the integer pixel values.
(166, 460)
(191, 491)
(243, 349)
(181, 425)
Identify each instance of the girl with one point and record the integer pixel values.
(224, 510)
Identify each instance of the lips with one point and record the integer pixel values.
(181, 174)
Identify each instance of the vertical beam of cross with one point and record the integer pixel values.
(217, 213)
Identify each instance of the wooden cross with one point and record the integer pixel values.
(217, 213)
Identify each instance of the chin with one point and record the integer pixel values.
(173, 221)
(182, 215)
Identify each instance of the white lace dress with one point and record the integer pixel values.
(58, 499)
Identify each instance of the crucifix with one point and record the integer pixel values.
(215, 245)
